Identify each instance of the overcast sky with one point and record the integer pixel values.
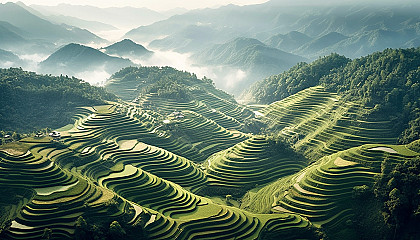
(152, 4)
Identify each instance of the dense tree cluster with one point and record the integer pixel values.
(387, 81)
(398, 187)
(167, 82)
(102, 230)
(29, 102)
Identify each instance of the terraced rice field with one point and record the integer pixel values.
(132, 163)
(117, 156)
(58, 197)
(253, 162)
(319, 123)
(224, 113)
(206, 134)
(323, 191)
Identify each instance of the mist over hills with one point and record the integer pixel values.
(350, 29)
(75, 58)
(319, 160)
(251, 56)
(37, 28)
(127, 47)
(122, 17)
(8, 59)
(324, 143)
(267, 20)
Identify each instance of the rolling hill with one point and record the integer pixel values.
(253, 57)
(74, 58)
(30, 102)
(369, 28)
(176, 159)
(288, 42)
(8, 59)
(126, 48)
(122, 17)
(35, 27)
(9, 35)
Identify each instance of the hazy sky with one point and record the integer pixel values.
(152, 4)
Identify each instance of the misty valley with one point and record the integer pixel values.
(226, 120)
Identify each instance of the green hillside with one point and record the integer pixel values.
(106, 151)
(179, 159)
(329, 192)
(29, 102)
(385, 84)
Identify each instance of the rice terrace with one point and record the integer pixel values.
(308, 127)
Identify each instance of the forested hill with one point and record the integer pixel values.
(387, 81)
(166, 82)
(297, 78)
(29, 101)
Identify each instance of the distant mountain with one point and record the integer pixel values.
(93, 26)
(126, 48)
(34, 27)
(193, 38)
(122, 17)
(74, 58)
(297, 78)
(9, 35)
(8, 59)
(320, 43)
(277, 24)
(68, 20)
(288, 42)
(253, 57)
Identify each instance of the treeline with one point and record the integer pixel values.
(387, 81)
(297, 78)
(29, 102)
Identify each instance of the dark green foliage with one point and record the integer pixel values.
(167, 82)
(296, 79)
(29, 102)
(398, 187)
(116, 231)
(99, 229)
(414, 146)
(254, 125)
(361, 191)
(388, 82)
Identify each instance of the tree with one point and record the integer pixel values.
(116, 231)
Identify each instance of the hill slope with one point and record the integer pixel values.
(389, 96)
(38, 28)
(127, 47)
(256, 59)
(369, 27)
(74, 58)
(30, 102)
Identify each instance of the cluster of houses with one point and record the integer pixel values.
(54, 134)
